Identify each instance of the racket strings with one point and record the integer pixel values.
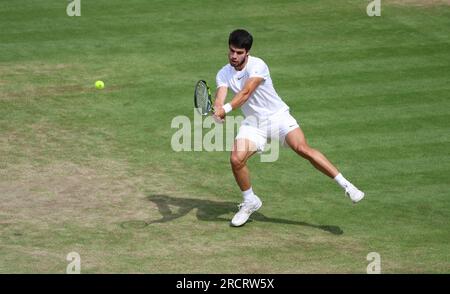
(202, 97)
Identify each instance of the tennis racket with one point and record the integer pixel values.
(202, 98)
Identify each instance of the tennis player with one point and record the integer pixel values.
(266, 116)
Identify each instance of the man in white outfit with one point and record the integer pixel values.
(249, 79)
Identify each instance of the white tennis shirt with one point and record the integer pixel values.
(264, 101)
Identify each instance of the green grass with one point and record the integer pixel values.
(93, 171)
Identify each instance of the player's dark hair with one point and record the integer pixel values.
(241, 39)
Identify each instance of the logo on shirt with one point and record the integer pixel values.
(241, 77)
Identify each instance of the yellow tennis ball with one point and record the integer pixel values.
(99, 84)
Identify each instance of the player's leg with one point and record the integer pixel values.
(297, 141)
(243, 149)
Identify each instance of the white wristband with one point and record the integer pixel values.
(227, 107)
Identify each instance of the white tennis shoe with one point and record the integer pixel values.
(354, 193)
(245, 210)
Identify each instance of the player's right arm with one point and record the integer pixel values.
(221, 95)
(221, 92)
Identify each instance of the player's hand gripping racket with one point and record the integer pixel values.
(202, 98)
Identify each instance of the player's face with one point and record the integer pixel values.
(237, 57)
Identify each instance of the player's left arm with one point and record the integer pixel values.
(242, 96)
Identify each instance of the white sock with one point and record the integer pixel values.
(248, 195)
(342, 181)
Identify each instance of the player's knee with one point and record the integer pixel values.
(236, 161)
(303, 150)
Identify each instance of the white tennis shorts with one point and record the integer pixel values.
(276, 127)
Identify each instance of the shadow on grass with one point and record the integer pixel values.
(208, 210)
